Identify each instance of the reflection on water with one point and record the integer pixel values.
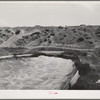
(35, 73)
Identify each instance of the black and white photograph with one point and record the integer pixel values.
(49, 45)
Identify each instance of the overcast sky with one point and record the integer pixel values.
(49, 13)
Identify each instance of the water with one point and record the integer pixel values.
(41, 73)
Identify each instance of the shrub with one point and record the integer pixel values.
(49, 36)
(37, 33)
(80, 39)
(34, 37)
(74, 30)
(20, 42)
(60, 27)
(7, 30)
(4, 37)
(52, 34)
(90, 42)
(49, 41)
(83, 68)
(47, 30)
(64, 35)
(25, 37)
(87, 37)
(17, 32)
(61, 38)
(45, 40)
(87, 82)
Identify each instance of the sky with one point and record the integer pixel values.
(49, 13)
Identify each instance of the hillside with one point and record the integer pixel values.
(18, 40)
(82, 41)
(72, 36)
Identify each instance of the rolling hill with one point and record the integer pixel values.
(71, 36)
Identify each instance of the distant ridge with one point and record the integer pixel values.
(83, 36)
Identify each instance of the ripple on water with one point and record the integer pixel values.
(35, 73)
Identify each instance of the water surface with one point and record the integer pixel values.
(39, 73)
